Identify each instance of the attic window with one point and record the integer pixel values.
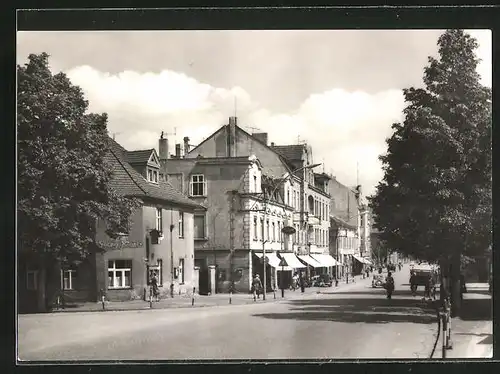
(152, 175)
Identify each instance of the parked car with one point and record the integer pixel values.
(322, 280)
(378, 280)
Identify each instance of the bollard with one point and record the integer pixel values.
(103, 302)
(274, 293)
(179, 291)
(283, 292)
(192, 299)
(151, 300)
(230, 296)
(444, 328)
(172, 290)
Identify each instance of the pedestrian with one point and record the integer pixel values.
(367, 272)
(154, 286)
(427, 292)
(295, 281)
(413, 285)
(389, 285)
(302, 282)
(256, 286)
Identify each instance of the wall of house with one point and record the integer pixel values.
(343, 202)
(143, 221)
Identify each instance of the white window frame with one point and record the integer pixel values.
(181, 271)
(35, 280)
(123, 271)
(159, 219)
(152, 175)
(204, 225)
(255, 228)
(181, 224)
(70, 277)
(200, 179)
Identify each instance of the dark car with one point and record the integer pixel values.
(322, 280)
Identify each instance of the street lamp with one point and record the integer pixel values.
(266, 202)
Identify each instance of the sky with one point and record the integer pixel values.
(340, 91)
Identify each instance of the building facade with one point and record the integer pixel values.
(160, 238)
(269, 192)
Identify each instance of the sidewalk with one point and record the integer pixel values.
(472, 330)
(201, 301)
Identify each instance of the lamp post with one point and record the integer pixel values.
(266, 202)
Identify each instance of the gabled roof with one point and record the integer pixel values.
(140, 156)
(127, 181)
(287, 164)
(291, 152)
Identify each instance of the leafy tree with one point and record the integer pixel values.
(434, 201)
(63, 179)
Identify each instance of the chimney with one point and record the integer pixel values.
(186, 145)
(163, 147)
(177, 150)
(163, 154)
(272, 144)
(231, 137)
(262, 136)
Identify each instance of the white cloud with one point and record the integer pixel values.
(484, 53)
(344, 128)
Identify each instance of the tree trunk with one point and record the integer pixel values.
(41, 289)
(456, 292)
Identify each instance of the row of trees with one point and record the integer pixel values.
(63, 179)
(434, 202)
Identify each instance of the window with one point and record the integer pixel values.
(119, 273)
(198, 185)
(181, 224)
(152, 175)
(255, 184)
(181, 270)
(68, 279)
(288, 197)
(159, 219)
(199, 227)
(274, 232)
(255, 228)
(32, 280)
(262, 228)
(267, 230)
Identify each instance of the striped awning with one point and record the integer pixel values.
(325, 260)
(310, 261)
(292, 260)
(274, 261)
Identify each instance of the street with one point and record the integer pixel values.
(354, 322)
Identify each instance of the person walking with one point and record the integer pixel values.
(154, 287)
(256, 287)
(389, 285)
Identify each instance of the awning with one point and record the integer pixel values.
(274, 261)
(310, 261)
(360, 259)
(292, 260)
(325, 260)
(368, 262)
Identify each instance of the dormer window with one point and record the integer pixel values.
(152, 175)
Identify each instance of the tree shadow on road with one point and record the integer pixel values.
(476, 309)
(361, 310)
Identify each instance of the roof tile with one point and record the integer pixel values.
(128, 181)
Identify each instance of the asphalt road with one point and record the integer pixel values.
(353, 322)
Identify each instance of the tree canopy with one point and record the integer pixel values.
(435, 197)
(63, 180)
